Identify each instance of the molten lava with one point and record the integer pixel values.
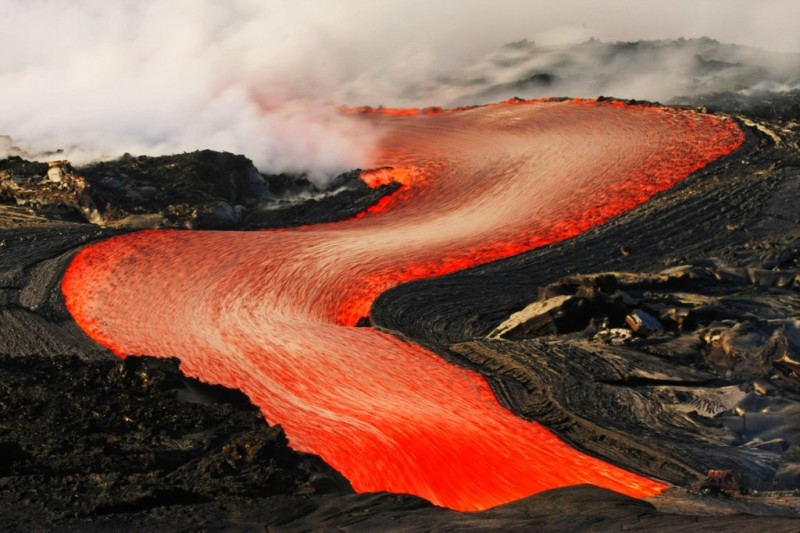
(266, 312)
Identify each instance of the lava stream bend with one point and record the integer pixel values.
(265, 312)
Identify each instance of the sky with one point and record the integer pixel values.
(263, 78)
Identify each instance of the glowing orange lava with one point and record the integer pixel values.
(266, 311)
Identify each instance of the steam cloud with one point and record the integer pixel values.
(97, 78)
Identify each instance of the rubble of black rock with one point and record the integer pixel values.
(737, 329)
(53, 189)
(81, 441)
(197, 190)
(740, 314)
(767, 105)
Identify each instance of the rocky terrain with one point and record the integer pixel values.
(198, 190)
(666, 341)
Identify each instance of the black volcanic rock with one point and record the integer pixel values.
(196, 190)
(112, 437)
(53, 189)
(765, 105)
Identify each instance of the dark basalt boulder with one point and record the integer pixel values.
(53, 189)
(197, 189)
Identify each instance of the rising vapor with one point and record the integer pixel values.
(160, 77)
(96, 79)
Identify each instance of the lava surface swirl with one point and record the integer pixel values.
(271, 312)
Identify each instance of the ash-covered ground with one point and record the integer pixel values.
(666, 341)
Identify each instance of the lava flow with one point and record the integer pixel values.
(266, 312)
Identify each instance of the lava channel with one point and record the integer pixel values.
(268, 312)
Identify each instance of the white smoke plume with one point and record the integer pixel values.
(96, 79)
(99, 78)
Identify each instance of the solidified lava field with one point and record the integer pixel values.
(272, 313)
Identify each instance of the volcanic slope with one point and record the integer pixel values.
(268, 312)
